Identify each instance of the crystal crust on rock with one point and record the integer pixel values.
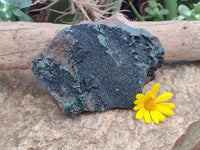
(96, 67)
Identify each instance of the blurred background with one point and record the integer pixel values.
(74, 11)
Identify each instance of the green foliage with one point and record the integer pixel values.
(62, 14)
(117, 6)
(156, 12)
(72, 12)
(140, 18)
(14, 10)
(187, 10)
(171, 6)
(188, 3)
(185, 13)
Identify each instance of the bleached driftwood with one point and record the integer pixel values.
(20, 41)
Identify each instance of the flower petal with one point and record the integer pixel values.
(164, 110)
(147, 116)
(169, 105)
(147, 93)
(155, 90)
(148, 96)
(140, 114)
(161, 116)
(139, 96)
(139, 106)
(164, 97)
(138, 102)
(154, 116)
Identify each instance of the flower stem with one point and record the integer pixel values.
(135, 11)
(160, 6)
(172, 7)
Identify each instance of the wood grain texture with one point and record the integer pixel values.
(21, 41)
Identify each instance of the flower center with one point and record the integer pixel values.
(150, 104)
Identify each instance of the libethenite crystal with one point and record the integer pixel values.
(96, 67)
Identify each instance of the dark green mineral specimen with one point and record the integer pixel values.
(96, 67)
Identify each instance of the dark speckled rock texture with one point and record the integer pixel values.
(96, 67)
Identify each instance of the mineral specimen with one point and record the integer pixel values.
(96, 67)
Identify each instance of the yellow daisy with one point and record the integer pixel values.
(150, 108)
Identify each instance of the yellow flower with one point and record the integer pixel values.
(150, 108)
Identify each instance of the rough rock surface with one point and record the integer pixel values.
(30, 120)
(96, 67)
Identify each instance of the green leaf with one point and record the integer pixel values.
(17, 12)
(190, 18)
(181, 17)
(197, 8)
(2, 4)
(13, 3)
(62, 5)
(118, 4)
(25, 17)
(159, 18)
(6, 15)
(24, 3)
(149, 11)
(153, 4)
(21, 4)
(156, 11)
(197, 17)
(184, 10)
(13, 18)
(164, 12)
(148, 18)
